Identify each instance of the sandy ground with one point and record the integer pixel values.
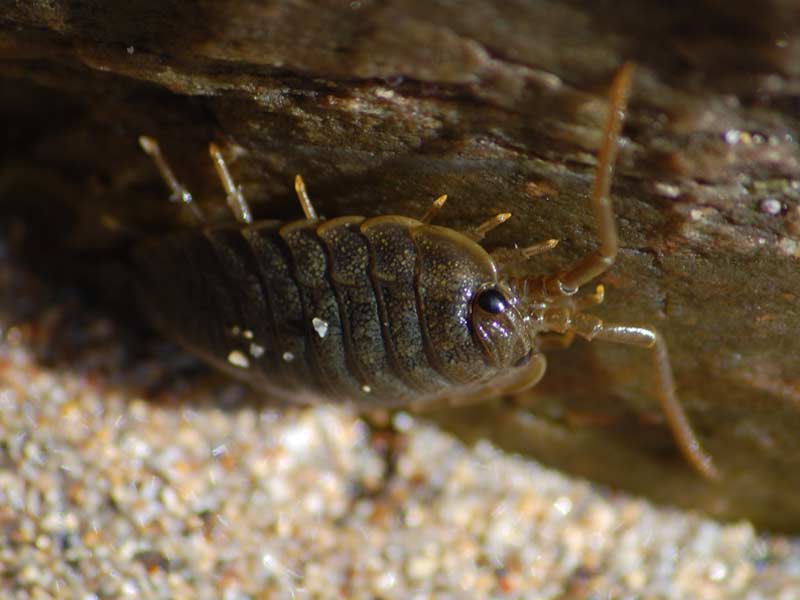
(120, 479)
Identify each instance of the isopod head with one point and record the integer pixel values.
(500, 327)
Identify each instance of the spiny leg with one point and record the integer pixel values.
(305, 201)
(179, 192)
(511, 256)
(481, 230)
(434, 209)
(602, 258)
(593, 328)
(234, 196)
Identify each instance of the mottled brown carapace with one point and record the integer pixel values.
(386, 310)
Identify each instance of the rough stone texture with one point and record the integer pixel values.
(383, 106)
(113, 487)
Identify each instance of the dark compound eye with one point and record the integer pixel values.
(492, 301)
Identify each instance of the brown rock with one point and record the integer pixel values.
(384, 106)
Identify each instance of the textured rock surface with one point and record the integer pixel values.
(383, 106)
(196, 492)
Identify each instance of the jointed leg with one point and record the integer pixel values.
(593, 328)
(510, 256)
(179, 193)
(235, 198)
(476, 234)
(305, 201)
(602, 258)
(481, 230)
(676, 417)
(434, 209)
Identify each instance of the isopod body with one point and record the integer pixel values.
(384, 310)
(372, 310)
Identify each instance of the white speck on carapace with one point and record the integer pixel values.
(667, 190)
(733, 136)
(288, 356)
(256, 351)
(366, 389)
(320, 326)
(247, 334)
(771, 206)
(238, 359)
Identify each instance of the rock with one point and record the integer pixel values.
(384, 106)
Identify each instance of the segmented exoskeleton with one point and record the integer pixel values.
(384, 310)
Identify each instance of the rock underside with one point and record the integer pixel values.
(384, 106)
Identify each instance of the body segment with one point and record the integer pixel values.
(352, 309)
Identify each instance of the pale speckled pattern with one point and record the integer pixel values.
(106, 495)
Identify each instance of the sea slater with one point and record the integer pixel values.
(386, 310)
